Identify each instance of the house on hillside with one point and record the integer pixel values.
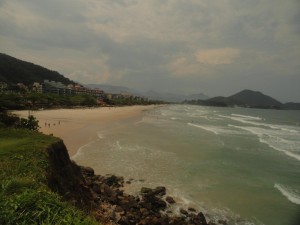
(3, 86)
(37, 87)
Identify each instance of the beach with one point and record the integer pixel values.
(78, 127)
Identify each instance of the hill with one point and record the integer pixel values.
(247, 98)
(255, 99)
(14, 71)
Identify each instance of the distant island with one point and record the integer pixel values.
(247, 99)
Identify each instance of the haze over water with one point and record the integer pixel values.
(238, 164)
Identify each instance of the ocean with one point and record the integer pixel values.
(237, 164)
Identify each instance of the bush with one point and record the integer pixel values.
(31, 123)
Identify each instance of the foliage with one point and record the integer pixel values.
(37, 100)
(8, 120)
(11, 120)
(131, 101)
(24, 196)
(13, 71)
(31, 123)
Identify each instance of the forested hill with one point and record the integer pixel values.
(255, 99)
(14, 71)
(247, 98)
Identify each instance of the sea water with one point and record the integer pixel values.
(237, 164)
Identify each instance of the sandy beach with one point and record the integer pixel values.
(78, 127)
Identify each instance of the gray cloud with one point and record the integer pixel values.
(218, 47)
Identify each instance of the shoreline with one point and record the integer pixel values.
(78, 127)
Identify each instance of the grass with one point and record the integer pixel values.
(24, 196)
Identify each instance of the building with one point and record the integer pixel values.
(71, 89)
(37, 87)
(99, 94)
(3, 86)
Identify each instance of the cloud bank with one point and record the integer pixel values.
(188, 46)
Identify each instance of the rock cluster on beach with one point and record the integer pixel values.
(111, 205)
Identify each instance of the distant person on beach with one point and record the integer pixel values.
(49, 125)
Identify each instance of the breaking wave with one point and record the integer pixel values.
(288, 193)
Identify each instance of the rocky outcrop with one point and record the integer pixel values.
(65, 177)
(103, 197)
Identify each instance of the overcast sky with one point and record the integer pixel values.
(217, 47)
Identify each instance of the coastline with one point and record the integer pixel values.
(78, 127)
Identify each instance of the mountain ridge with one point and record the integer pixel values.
(13, 70)
(249, 99)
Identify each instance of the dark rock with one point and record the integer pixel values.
(119, 209)
(170, 200)
(88, 171)
(199, 219)
(96, 188)
(145, 204)
(105, 189)
(114, 181)
(211, 223)
(144, 211)
(161, 204)
(191, 209)
(223, 222)
(145, 190)
(183, 211)
(161, 191)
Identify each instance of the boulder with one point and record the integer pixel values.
(184, 212)
(170, 200)
(161, 191)
(145, 190)
(88, 171)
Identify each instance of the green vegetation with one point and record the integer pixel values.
(132, 101)
(33, 100)
(25, 197)
(14, 71)
(11, 120)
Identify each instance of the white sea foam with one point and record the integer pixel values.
(207, 128)
(248, 117)
(289, 129)
(291, 154)
(100, 135)
(79, 152)
(288, 193)
(273, 140)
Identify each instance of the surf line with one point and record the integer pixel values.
(291, 196)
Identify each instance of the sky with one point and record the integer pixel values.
(217, 47)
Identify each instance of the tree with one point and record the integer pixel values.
(31, 123)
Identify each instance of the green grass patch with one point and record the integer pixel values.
(24, 196)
